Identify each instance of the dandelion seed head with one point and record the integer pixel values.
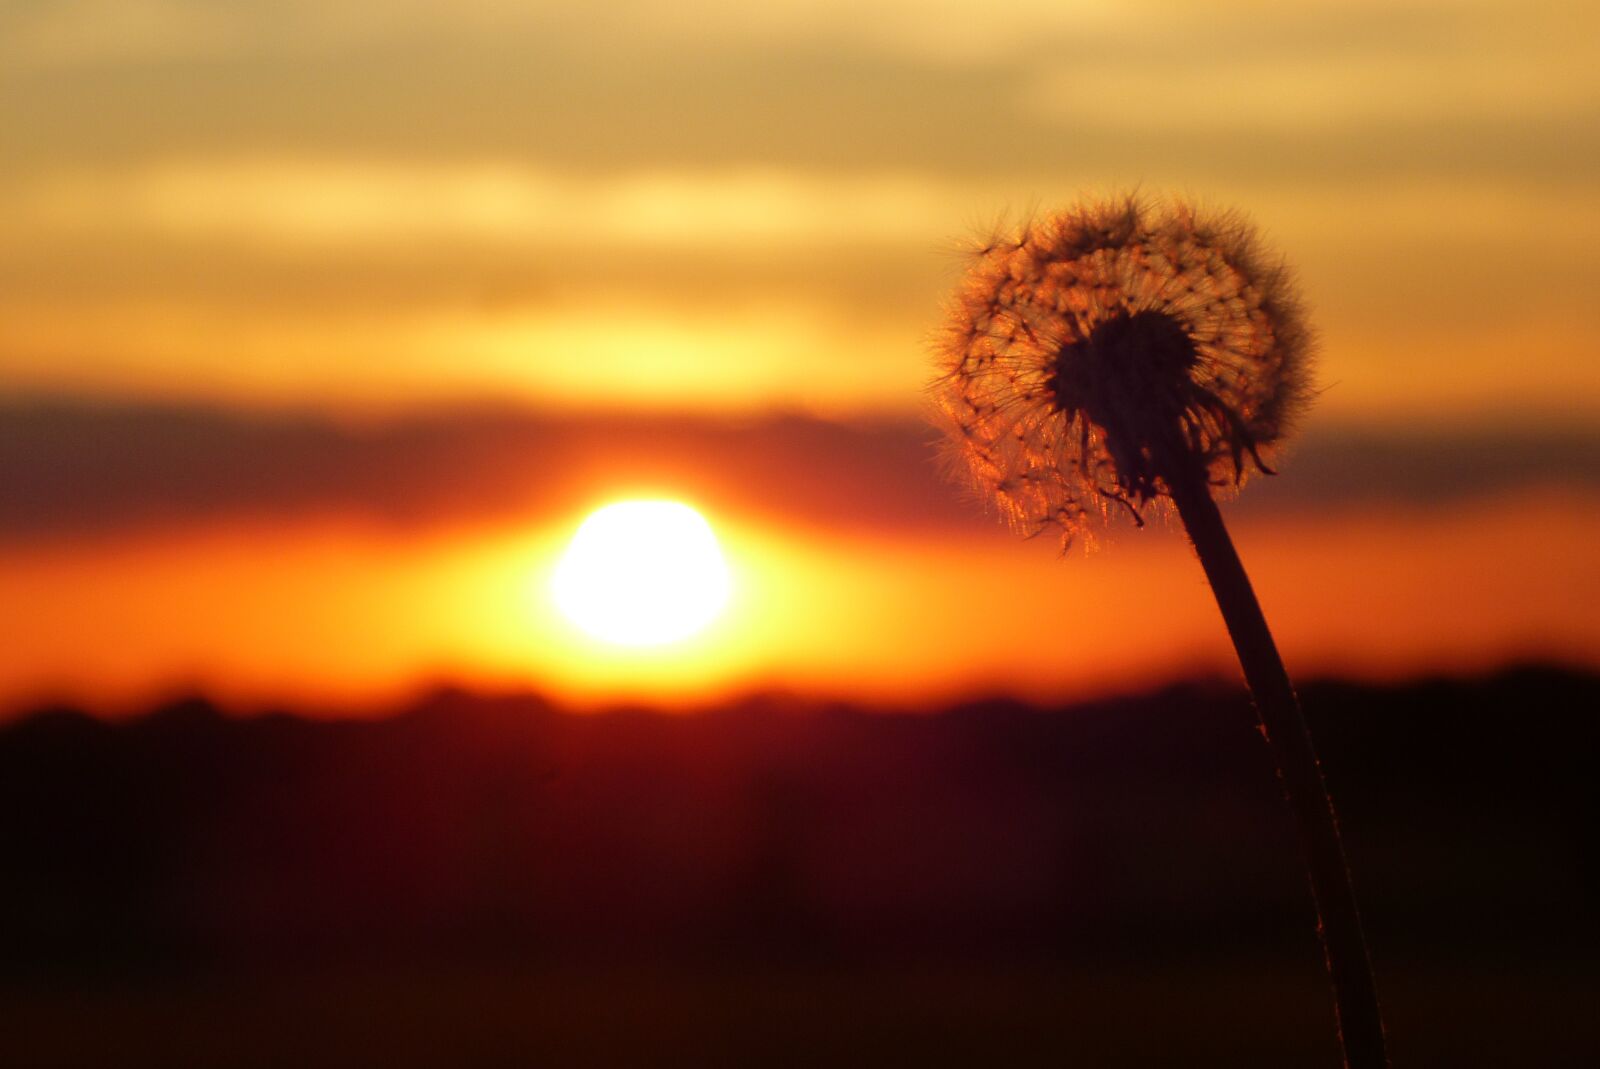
(1078, 350)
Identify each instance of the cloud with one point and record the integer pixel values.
(1291, 92)
(76, 470)
(72, 468)
(79, 33)
(337, 281)
(738, 353)
(316, 203)
(1305, 68)
(1029, 88)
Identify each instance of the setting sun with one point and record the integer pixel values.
(642, 573)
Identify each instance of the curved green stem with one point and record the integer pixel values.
(1355, 995)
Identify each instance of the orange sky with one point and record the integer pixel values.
(329, 216)
(338, 612)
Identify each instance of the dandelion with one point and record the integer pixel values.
(1107, 340)
(1115, 358)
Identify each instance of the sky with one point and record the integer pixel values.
(323, 325)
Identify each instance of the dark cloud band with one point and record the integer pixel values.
(71, 469)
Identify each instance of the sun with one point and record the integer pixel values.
(642, 573)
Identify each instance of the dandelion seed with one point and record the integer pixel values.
(1082, 348)
(1117, 356)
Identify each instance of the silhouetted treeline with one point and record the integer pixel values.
(498, 829)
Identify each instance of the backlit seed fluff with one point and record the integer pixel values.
(1080, 355)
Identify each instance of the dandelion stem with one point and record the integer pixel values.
(1355, 995)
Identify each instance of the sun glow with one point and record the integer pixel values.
(642, 573)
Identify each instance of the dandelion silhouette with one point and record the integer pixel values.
(1115, 358)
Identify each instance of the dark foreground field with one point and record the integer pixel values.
(486, 882)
